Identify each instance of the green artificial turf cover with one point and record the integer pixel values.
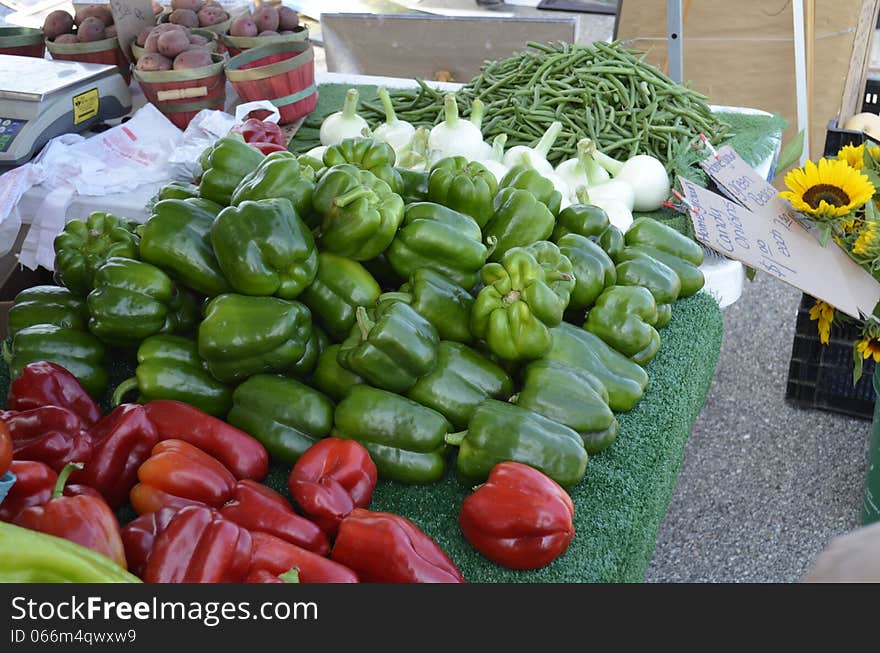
(622, 501)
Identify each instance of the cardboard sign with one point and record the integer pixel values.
(764, 233)
(130, 17)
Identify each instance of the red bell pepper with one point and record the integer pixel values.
(242, 454)
(199, 546)
(34, 484)
(259, 508)
(121, 442)
(267, 148)
(177, 474)
(254, 130)
(381, 547)
(49, 434)
(5, 448)
(272, 557)
(519, 518)
(332, 478)
(84, 519)
(42, 383)
(139, 535)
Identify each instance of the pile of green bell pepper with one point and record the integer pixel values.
(279, 176)
(464, 186)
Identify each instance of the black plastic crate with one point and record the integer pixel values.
(820, 376)
(836, 138)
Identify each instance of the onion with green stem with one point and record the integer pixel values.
(535, 157)
(344, 124)
(645, 173)
(397, 133)
(455, 136)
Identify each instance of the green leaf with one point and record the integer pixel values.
(790, 154)
(872, 176)
(291, 576)
(750, 273)
(857, 365)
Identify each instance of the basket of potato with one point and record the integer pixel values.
(158, 39)
(203, 14)
(88, 36)
(22, 41)
(267, 24)
(183, 84)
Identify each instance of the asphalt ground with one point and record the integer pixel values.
(764, 485)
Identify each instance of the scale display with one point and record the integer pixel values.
(9, 129)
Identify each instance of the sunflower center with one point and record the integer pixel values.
(833, 195)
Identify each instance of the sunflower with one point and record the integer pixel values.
(853, 155)
(869, 347)
(824, 313)
(866, 242)
(831, 189)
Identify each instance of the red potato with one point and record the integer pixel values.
(185, 17)
(151, 44)
(153, 61)
(66, 38)
(192, 5)
(101, 12)
(171, 44)
(110, 32)
(91, 29)
(170, 27)
(142, 36)
(56, 23)
(266, 18)
(288, 19)
(243, 26)
(198, 39)
(212, 16)
(196, 58)
(268, 32)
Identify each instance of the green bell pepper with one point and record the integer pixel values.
(81, 353)
(133, 300)
(647, 231)
(529, 179)
(612, 241)
(340, 286)
(176, 238)
(658, 278)
(205, 205)
(381, 270)
(440, 239)
(241, 335)
(624, 380)
(318, 341)
(82, 247)
(518, 220)
(278, 175)
(461, 381)
(624, 317)
(264, 248)
(224, 165)
(415, 185)
(690, 276)
(360, 213)
(558, 271)
(515, 309)
(465, 186)
(582, 219)
(436, 298)
(593, 270)
(571, 396)
(33, 557)
(47, 305)
(404, 439)
(391, 346)
(367, 154)
(286, 416)
(169, 367)
(499, 431)
(176, 190)
(331, 378)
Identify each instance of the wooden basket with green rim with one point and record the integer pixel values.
(213, 41)
(238, 44)
(106, 51)
(283, 73)
(181, 94)
(22, 41)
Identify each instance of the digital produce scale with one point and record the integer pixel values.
(42, 98)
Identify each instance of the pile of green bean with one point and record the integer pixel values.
(602, 91)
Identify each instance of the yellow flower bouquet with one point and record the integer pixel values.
(841, 196)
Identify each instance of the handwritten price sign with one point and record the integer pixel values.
(130, 17)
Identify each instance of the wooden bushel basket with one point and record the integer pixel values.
(238, 44)
(105, 51)
(282, 73)
(181, 94)
(22, 41)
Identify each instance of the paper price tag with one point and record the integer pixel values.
(130, 17)
(764, 233)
